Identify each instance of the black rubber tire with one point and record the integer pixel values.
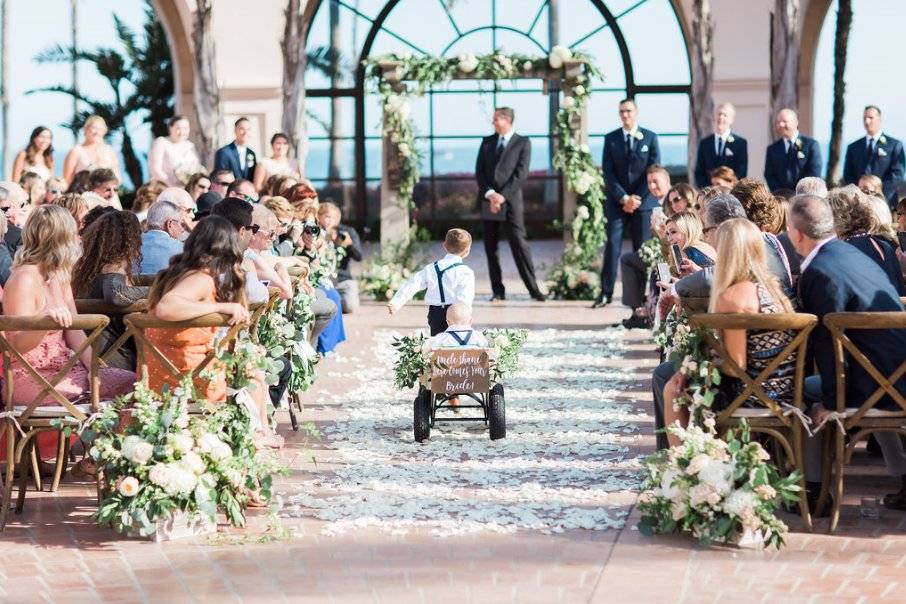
(421, 423)
(497, 412)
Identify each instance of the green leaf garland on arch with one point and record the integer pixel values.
(574, 276)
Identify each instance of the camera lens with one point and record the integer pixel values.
(312, 229)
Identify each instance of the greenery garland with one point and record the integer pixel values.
(573, 276)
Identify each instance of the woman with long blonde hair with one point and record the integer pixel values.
(743, 284)
(685, 230)
(39, 286)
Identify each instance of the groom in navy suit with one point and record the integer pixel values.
(237, 157)
(628, 152)
(792, 156)
(723, 148)
(875, 153)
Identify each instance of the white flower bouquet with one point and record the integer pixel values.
(282, 332)
(719, 490)
(165, 462)
(413, 356)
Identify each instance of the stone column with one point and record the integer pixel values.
(394, 211)
(579, 129)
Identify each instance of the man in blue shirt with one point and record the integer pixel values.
(162, 240)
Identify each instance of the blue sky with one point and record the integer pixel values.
(873, 62)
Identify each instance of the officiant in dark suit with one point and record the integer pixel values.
(628, 152)
(501, 169)
(791, 157)
(723, 148)
(875, 153)
(237, 157)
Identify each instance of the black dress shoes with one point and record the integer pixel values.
(539, 297)
(602, 302)
(635, 322)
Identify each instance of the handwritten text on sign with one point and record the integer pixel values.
(455, 371)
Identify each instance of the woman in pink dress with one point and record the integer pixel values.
(39, 286)
(173, 159)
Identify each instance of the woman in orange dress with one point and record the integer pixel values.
(205, 278)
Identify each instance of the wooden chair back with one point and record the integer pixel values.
(259, 309)
(800, 323)
(93, 324)
(838, 324)
(137, 323)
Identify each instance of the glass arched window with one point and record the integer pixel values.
(638, 44)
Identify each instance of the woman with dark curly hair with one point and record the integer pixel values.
(761, 206)
(112, 246)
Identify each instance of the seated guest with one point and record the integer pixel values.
(220, 180)
(35, 188)
(182, 200)
(111, 247)
(766, 211)
(811, 185)
(56, 186)
(302, 195)
(743, 284)
(311, 244)
(80, 183)
(680, 197)
(205, 278)
(205, 203)
(347, 239)
(882, 224)
(199, 184)
(723, 176)
(162, 239)
(6, 259)
(685, 230)
(39, 286)
(871, 185)
(93, 214)
(76, 205)
(262, 246)
(853, 223)
(145, 196)
(459, 330)
(243, 189)
(837, 277)
(901, 216)
(104, 183)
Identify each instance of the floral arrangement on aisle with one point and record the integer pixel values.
(283, 332)
(413, 356)
(385, 273)
(721, 491)
(571, 276)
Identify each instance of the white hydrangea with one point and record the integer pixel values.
(192, 462)
(698, 463)
(699, 494)
(583, 183)
(739, 501)
(582, 213)
(717, 475)
(137, 450)
(214, 447)
(558, 55)
(405, 150)
(173, 478)
(182, 443)
(668, 489)
(468, 62)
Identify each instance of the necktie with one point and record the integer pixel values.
(870, 155)
(720, 146)
(501, 143)
(628, 145)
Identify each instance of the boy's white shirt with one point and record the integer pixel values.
(446, 340)
(459, 284)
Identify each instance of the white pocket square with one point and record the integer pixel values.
(644, 149)
(728, 152)
(800, 155)
(882, 153)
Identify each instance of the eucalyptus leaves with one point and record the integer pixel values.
(573, 157)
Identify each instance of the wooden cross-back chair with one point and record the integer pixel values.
(23, 423)
(781, 423)
(866, 418)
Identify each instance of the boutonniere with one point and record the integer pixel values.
(249, 158)
(798, 143)
(882, 152)
(728, 152)
(883, 140)
(800, 155)
(730, 139)
(644, 149)
(638, 135)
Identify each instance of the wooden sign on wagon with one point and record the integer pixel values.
(460, 370)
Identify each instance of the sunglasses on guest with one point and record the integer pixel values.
(253, 228)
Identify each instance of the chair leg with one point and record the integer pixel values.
(839, 464)
(799, 464)
(25, 466)
(10, 471)
(36, 467)
(60, 466)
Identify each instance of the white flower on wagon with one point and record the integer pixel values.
(128, 486)
(558, 55)
(468, 62)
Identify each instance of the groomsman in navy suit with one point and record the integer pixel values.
(792, 156)
(723, 148)
(628, 152)
(237, 157)
(876, 154)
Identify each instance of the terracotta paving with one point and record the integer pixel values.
(54, 553)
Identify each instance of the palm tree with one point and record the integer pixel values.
(146, 65)
(785, 35)
(701, 101)
(841, 41)
(208, 108)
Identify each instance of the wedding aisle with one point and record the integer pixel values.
(566, 462)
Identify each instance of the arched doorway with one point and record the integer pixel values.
(176, 19)
(617, 32)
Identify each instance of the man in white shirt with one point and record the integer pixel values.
(237, 157)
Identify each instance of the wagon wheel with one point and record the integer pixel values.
(421, 424)
(497, 412)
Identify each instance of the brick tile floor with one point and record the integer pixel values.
(54, 553)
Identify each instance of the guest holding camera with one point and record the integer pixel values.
(344, 238)
(312, 246)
